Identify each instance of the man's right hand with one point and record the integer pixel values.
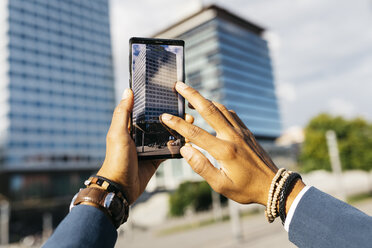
(246, 170)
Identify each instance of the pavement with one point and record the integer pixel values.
(256, 233)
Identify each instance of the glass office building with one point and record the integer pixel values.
(155, 72)
(57, 92)
(228, 61)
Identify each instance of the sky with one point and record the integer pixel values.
(321, 50)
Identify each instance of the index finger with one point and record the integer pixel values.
(195, 134)
(206, 108)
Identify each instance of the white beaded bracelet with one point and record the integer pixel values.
(278, 189)
(273, 185)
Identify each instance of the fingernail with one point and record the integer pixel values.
(126, 94)
(166, 117)
(181, 85)
(186, 152)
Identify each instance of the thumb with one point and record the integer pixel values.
(201, 165)
(120, 118)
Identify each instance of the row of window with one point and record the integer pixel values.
(54, 31)
(57, 54)
(63, 120)
(59, 46)
(63, 107)
(61, 73)
(221, 36)
(205, 47)
(208, 30)
(49, 90)
(36, 144)
(163, 95)
(57, 14)
(100, 6)
(78, 71)
(258, 51)
(252, 109)
(99, 131)
(56, 63)
(196, 40)
(240, 85)
(234, 30)
(215, 46)
(249, 99)
(67, 77)
(212, 24)
(56, 89)
(238, 53)
(158, 113)
(246, 65)
(81, 45)
(168, 69)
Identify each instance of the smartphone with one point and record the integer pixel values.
(155, 66)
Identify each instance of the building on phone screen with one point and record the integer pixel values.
(154, 74)
(228, 61)
(57, 100)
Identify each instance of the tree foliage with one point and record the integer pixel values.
(196, 195)
(354, 143)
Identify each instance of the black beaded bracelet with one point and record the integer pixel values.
(287, 187)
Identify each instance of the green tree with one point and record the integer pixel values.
(354, 143)
(196, 195)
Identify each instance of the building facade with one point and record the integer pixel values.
(57, 95)
(228, 61)
(155, 72)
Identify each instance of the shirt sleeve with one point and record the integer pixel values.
(293, 207)
(321, 220)
(84, 226)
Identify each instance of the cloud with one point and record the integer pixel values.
(273, 40)
(341, 107)
(140, 18)
(174, 49)
(323, 48)
(286, 92)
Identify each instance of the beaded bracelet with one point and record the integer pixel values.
(274, 205)
(288, 185)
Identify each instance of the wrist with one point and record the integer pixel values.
(106, 196)
(110, 174)
(299, 185)
(284, 188)
(265, 187)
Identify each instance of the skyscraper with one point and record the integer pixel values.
(228, 61)
(155, 72)
(57, 94)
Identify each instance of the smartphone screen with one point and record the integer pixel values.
(155, 66)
